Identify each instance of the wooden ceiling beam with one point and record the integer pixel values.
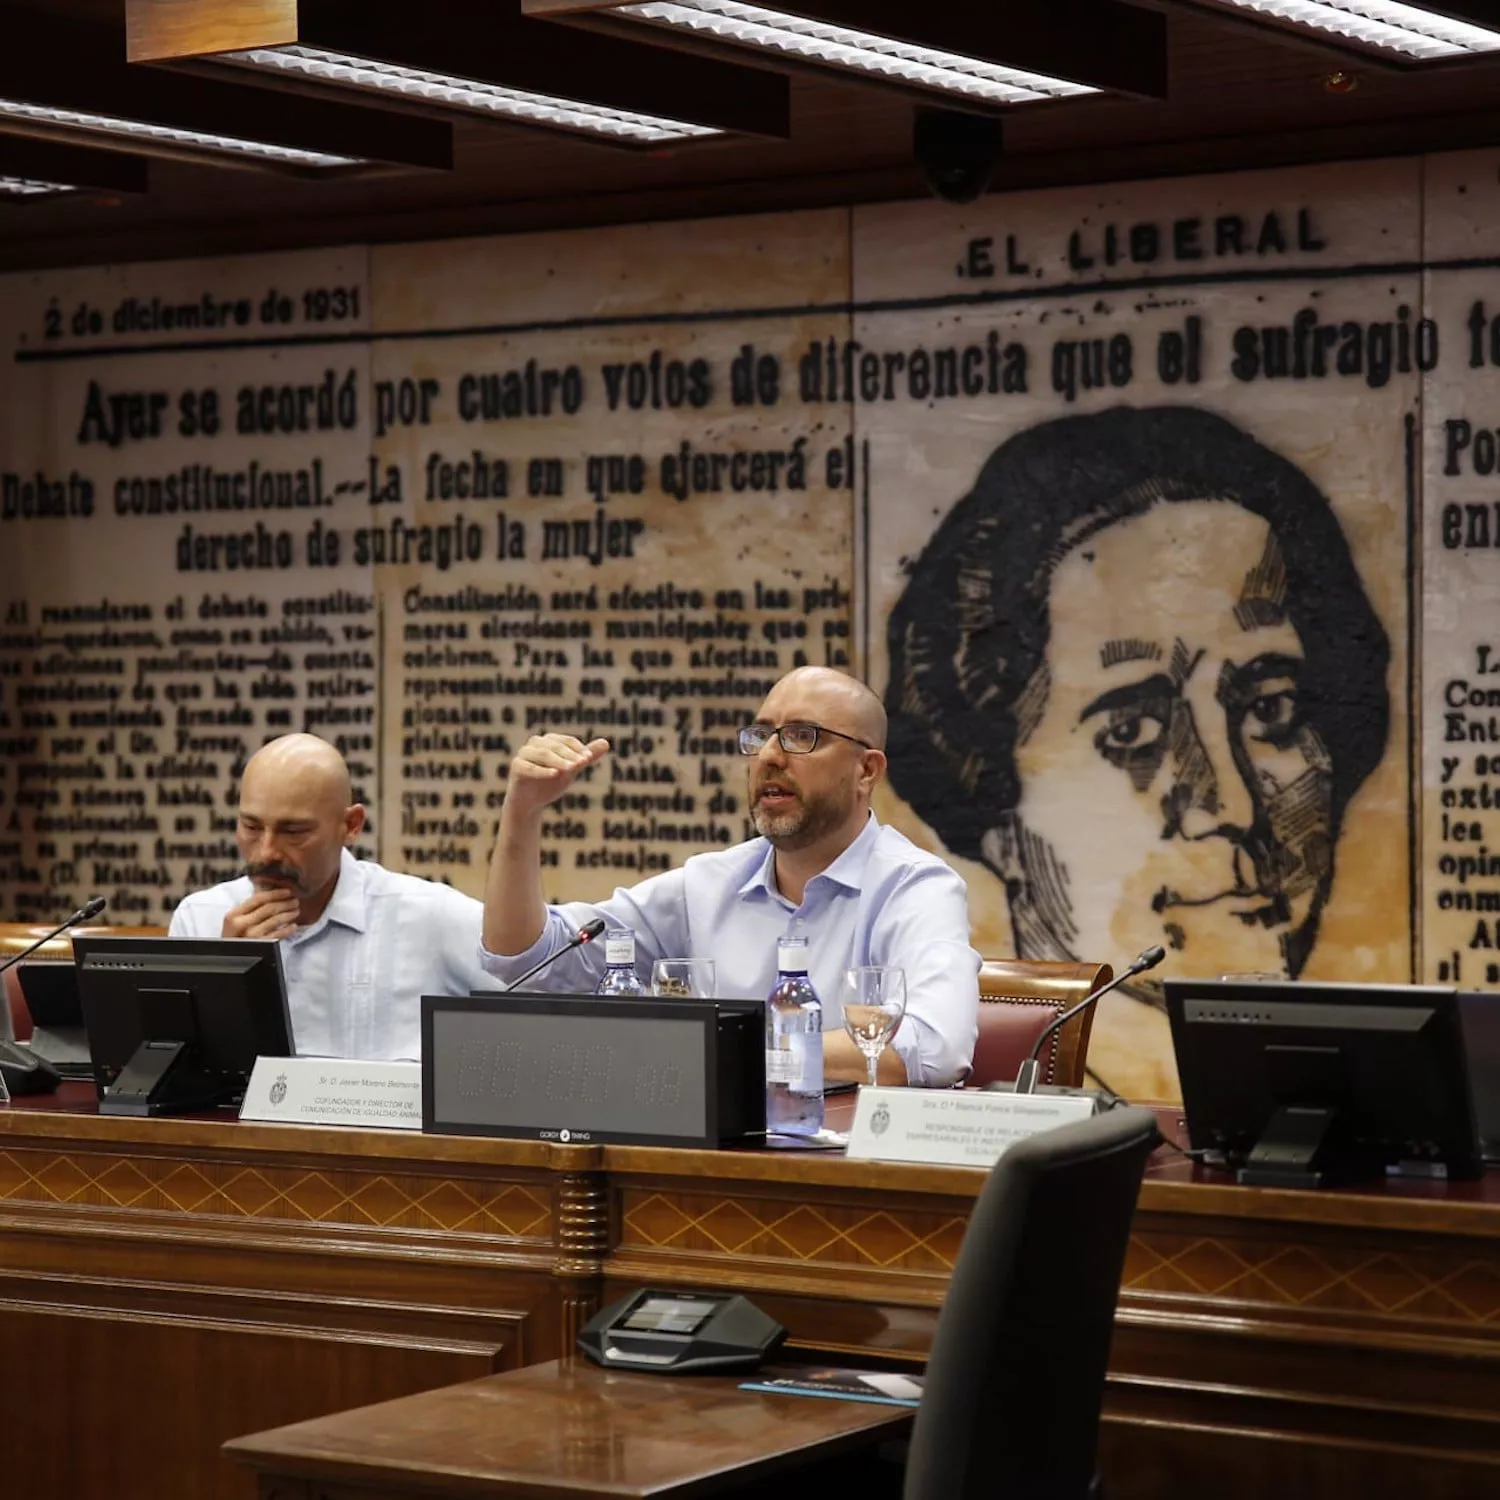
(480, 40)
(60, 66)
(161, 29)
(1102, 43)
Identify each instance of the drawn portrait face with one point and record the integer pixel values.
(1136, 673)
(1167, 764)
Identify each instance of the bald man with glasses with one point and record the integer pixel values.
(822, 868)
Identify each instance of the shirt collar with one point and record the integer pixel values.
(347, 904)
(762, 876)
(847, 870)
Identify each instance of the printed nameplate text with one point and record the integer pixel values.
(952, 1128)
(334, 1091)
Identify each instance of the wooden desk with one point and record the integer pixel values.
(560, 1431)
(166, 1285)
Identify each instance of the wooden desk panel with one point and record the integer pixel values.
(1308, 1343)
(1269, 1341)
(160, 1280)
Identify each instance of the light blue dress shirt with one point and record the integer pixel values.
(882, 901)
(356, 976)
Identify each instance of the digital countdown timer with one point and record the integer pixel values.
(581, 1069)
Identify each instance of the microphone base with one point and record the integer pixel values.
(1102, 1100)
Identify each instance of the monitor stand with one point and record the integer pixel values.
(1291, 1151)
(163, 1078)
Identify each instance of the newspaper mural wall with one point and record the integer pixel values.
(1163, 515)
(1148, 641)
(176, 459)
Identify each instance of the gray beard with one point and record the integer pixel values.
(781, 828)
(797, 827)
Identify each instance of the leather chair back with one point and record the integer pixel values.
(1018, 997)
(17, 936)
(1015, 1380)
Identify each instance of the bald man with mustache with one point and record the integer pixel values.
(822, 867)
(360, 944)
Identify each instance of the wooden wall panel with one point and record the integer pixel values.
(174, 1389)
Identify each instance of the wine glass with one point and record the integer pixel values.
(874, 1001)
(683, 978)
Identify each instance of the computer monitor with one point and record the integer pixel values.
(1480, 1010)
(1298, 1085)
(50, 989)
(176, 1024)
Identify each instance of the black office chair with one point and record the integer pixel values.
(1016, 1376)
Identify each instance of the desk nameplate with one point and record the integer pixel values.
(335, 1091)
(952, 1128)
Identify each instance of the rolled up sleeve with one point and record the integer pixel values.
(652, 910)
(923, 928)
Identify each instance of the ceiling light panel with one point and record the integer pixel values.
(167, 136)
(1408, 31)
(30, 187)
(444, 92)
(878, 57)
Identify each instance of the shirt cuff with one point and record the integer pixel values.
(922, 1073)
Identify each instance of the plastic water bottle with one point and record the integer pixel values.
(794, 1046)
(620, 977)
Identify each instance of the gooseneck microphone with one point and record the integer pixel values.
(1027, 1076)
(585, 934)
(85, 913)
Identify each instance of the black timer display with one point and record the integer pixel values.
(586, 1069)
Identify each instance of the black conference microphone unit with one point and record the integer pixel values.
(585, 934)
(1026, 1078)
(22, 1070)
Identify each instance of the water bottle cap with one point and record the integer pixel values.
(619, 947)
(791, 955)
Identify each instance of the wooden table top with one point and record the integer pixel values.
(569, 1429)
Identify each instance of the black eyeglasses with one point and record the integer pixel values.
(796, 739)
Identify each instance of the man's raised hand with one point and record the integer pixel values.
(545, 767)
(270, 913)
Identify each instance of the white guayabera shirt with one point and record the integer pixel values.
(355, 977)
